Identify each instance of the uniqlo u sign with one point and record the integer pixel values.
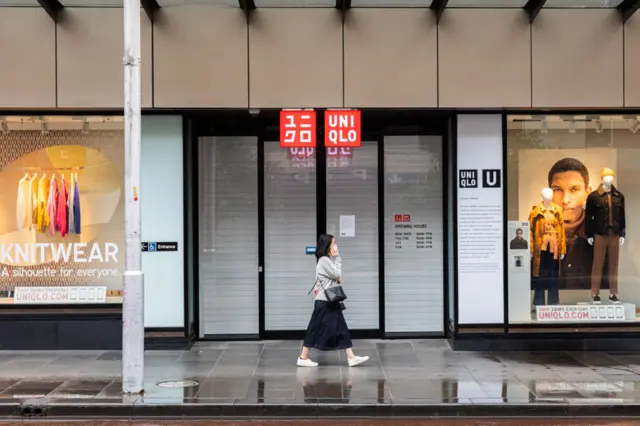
(297, 128)
(342, 128)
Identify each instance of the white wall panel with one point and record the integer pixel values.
(414, 242)
(228, 202)
(290, 225)
(480, 220)
(163, 220)
(352, 189)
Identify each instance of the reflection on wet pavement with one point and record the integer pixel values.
(399, 372)
(404, 422)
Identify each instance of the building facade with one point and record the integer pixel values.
(468, 112)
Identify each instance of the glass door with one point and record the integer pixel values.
(228, 236)
(414, 235)
(352, 218)
(289, 226)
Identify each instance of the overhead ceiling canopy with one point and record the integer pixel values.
(532, 7)
(582, 3)
(331, 3)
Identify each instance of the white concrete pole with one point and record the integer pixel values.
(133, 304)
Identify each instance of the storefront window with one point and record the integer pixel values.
(573, 194)
(61, 210)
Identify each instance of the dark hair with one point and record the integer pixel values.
(324, 244)
(569, 165)
(519, 229)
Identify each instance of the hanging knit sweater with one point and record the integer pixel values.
(24, 204)
(76, 206)
(70, 211)
(52, 206)
(62, 218)
(44, 185)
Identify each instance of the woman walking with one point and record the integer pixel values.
(327, 330)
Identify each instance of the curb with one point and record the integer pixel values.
(232, 410)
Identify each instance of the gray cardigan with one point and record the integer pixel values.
(328, 271)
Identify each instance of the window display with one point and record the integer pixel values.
(61, 215)
(605, 231)
(583, 263)
(547, 249)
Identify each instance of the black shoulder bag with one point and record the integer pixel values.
(333, 294)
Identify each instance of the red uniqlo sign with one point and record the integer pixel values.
(342, 128)
(400, 218)
(297, 128)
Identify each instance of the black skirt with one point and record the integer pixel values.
(327, 330)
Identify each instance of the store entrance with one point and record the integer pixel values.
(307, 193)
(260, 209)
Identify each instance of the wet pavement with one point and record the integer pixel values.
(403, 422)
(258, 380)
(368, 422)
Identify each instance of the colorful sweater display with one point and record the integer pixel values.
(46, 205)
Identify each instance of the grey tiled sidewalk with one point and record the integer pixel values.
(399, 374)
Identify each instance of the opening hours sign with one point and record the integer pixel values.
(297, 128)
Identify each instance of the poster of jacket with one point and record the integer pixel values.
(61, 208)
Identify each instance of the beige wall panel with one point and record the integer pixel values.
(484, 58)
(28, 61)
(295, 58)
(390, 58)
(577, 58)
(201, 58)
(90, 51)
(632, 61)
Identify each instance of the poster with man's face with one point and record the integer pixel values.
(569, 173)
(520, 241)
(570, 191)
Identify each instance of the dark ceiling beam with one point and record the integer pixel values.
(247, 6)
(52, 7)
(150, 7)
(627, 8)
(533, 7)
(343, 6)
(438, 7)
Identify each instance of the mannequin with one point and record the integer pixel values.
(548, 246)
(606, 229)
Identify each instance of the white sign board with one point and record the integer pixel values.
(519, 267)
(59, 295)
(347, 225)
(480, 219)
(580, 313)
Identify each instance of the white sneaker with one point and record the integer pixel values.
(306, 363)
(357, 360)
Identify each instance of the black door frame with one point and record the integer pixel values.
(376, 124)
